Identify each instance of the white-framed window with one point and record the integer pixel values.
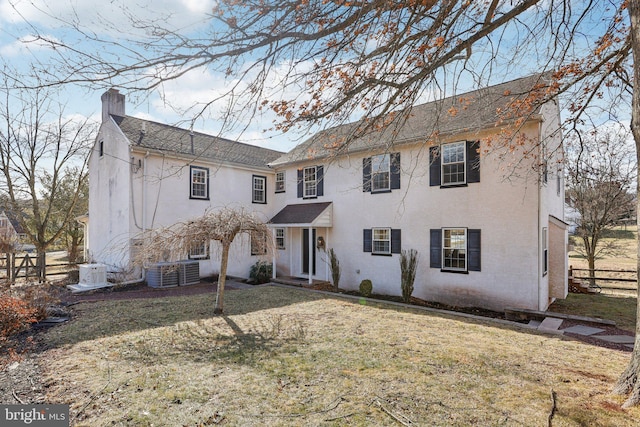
(310, 181)
(454, 249)
(280, 182)
(545, 251)
(258, 243)
(454, 163)
(380, 172)
(259, 189)
(280, 238)
(381, 240)
(199, 251)
(199, 188)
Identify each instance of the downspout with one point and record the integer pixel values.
(143, 274)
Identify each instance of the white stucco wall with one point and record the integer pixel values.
(503, 205)
(167, 201)
(109, 190)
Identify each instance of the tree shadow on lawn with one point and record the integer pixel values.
(92, 320)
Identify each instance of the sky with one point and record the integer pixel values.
(21, 19)
(110, 19)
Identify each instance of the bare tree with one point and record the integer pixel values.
(40, 149)
(601, 173)
(174, 242)
(332, 61)
(73, 233)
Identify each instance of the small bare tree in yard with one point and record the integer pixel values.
(40, 148)
(174, 242)
(601, 174)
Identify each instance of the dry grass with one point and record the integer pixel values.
(289, 357)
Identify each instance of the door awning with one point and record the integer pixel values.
(305, 215)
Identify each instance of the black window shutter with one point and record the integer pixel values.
(396, 241)
(366, 174)
(319, 180)
(395, 170)
(473, 249)
(300, 183)
(435, 248)
(367, 240)
(434, 166)
(473, 161)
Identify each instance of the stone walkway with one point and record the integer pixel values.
(553, 325)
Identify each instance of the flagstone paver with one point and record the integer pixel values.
(618, 339)
(583, 330)
(551, 325)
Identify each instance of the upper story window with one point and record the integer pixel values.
(310, 182)
(280, 180)
(380, 173)
(259, 189)
(101, 148)
(453, 163)
(199, 185)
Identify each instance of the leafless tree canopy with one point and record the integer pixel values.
(335, 61)
(40, 148)
(601, 175)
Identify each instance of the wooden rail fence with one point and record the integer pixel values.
(606, 275)
(26, 266)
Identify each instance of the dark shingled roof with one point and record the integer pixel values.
(472, 111)
(304, 213)
(175, 140)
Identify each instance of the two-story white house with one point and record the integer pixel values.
(145, 175)
(485, 217)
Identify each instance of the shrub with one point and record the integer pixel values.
(408, 267)
(15, 315)
(334, 265)
(366, 288)
(261, 272)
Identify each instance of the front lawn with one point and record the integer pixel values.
(290, 357)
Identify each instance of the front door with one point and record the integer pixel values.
(305, 251)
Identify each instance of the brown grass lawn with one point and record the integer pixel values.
(283, 357)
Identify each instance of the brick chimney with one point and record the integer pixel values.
(112, 103)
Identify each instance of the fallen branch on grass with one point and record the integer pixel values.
(15, 396)
(553, 407)
(399, 418)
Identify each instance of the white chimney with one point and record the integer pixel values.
(112, 103)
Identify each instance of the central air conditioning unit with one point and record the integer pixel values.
(92, 274)
(163, 275)
(189, 272)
